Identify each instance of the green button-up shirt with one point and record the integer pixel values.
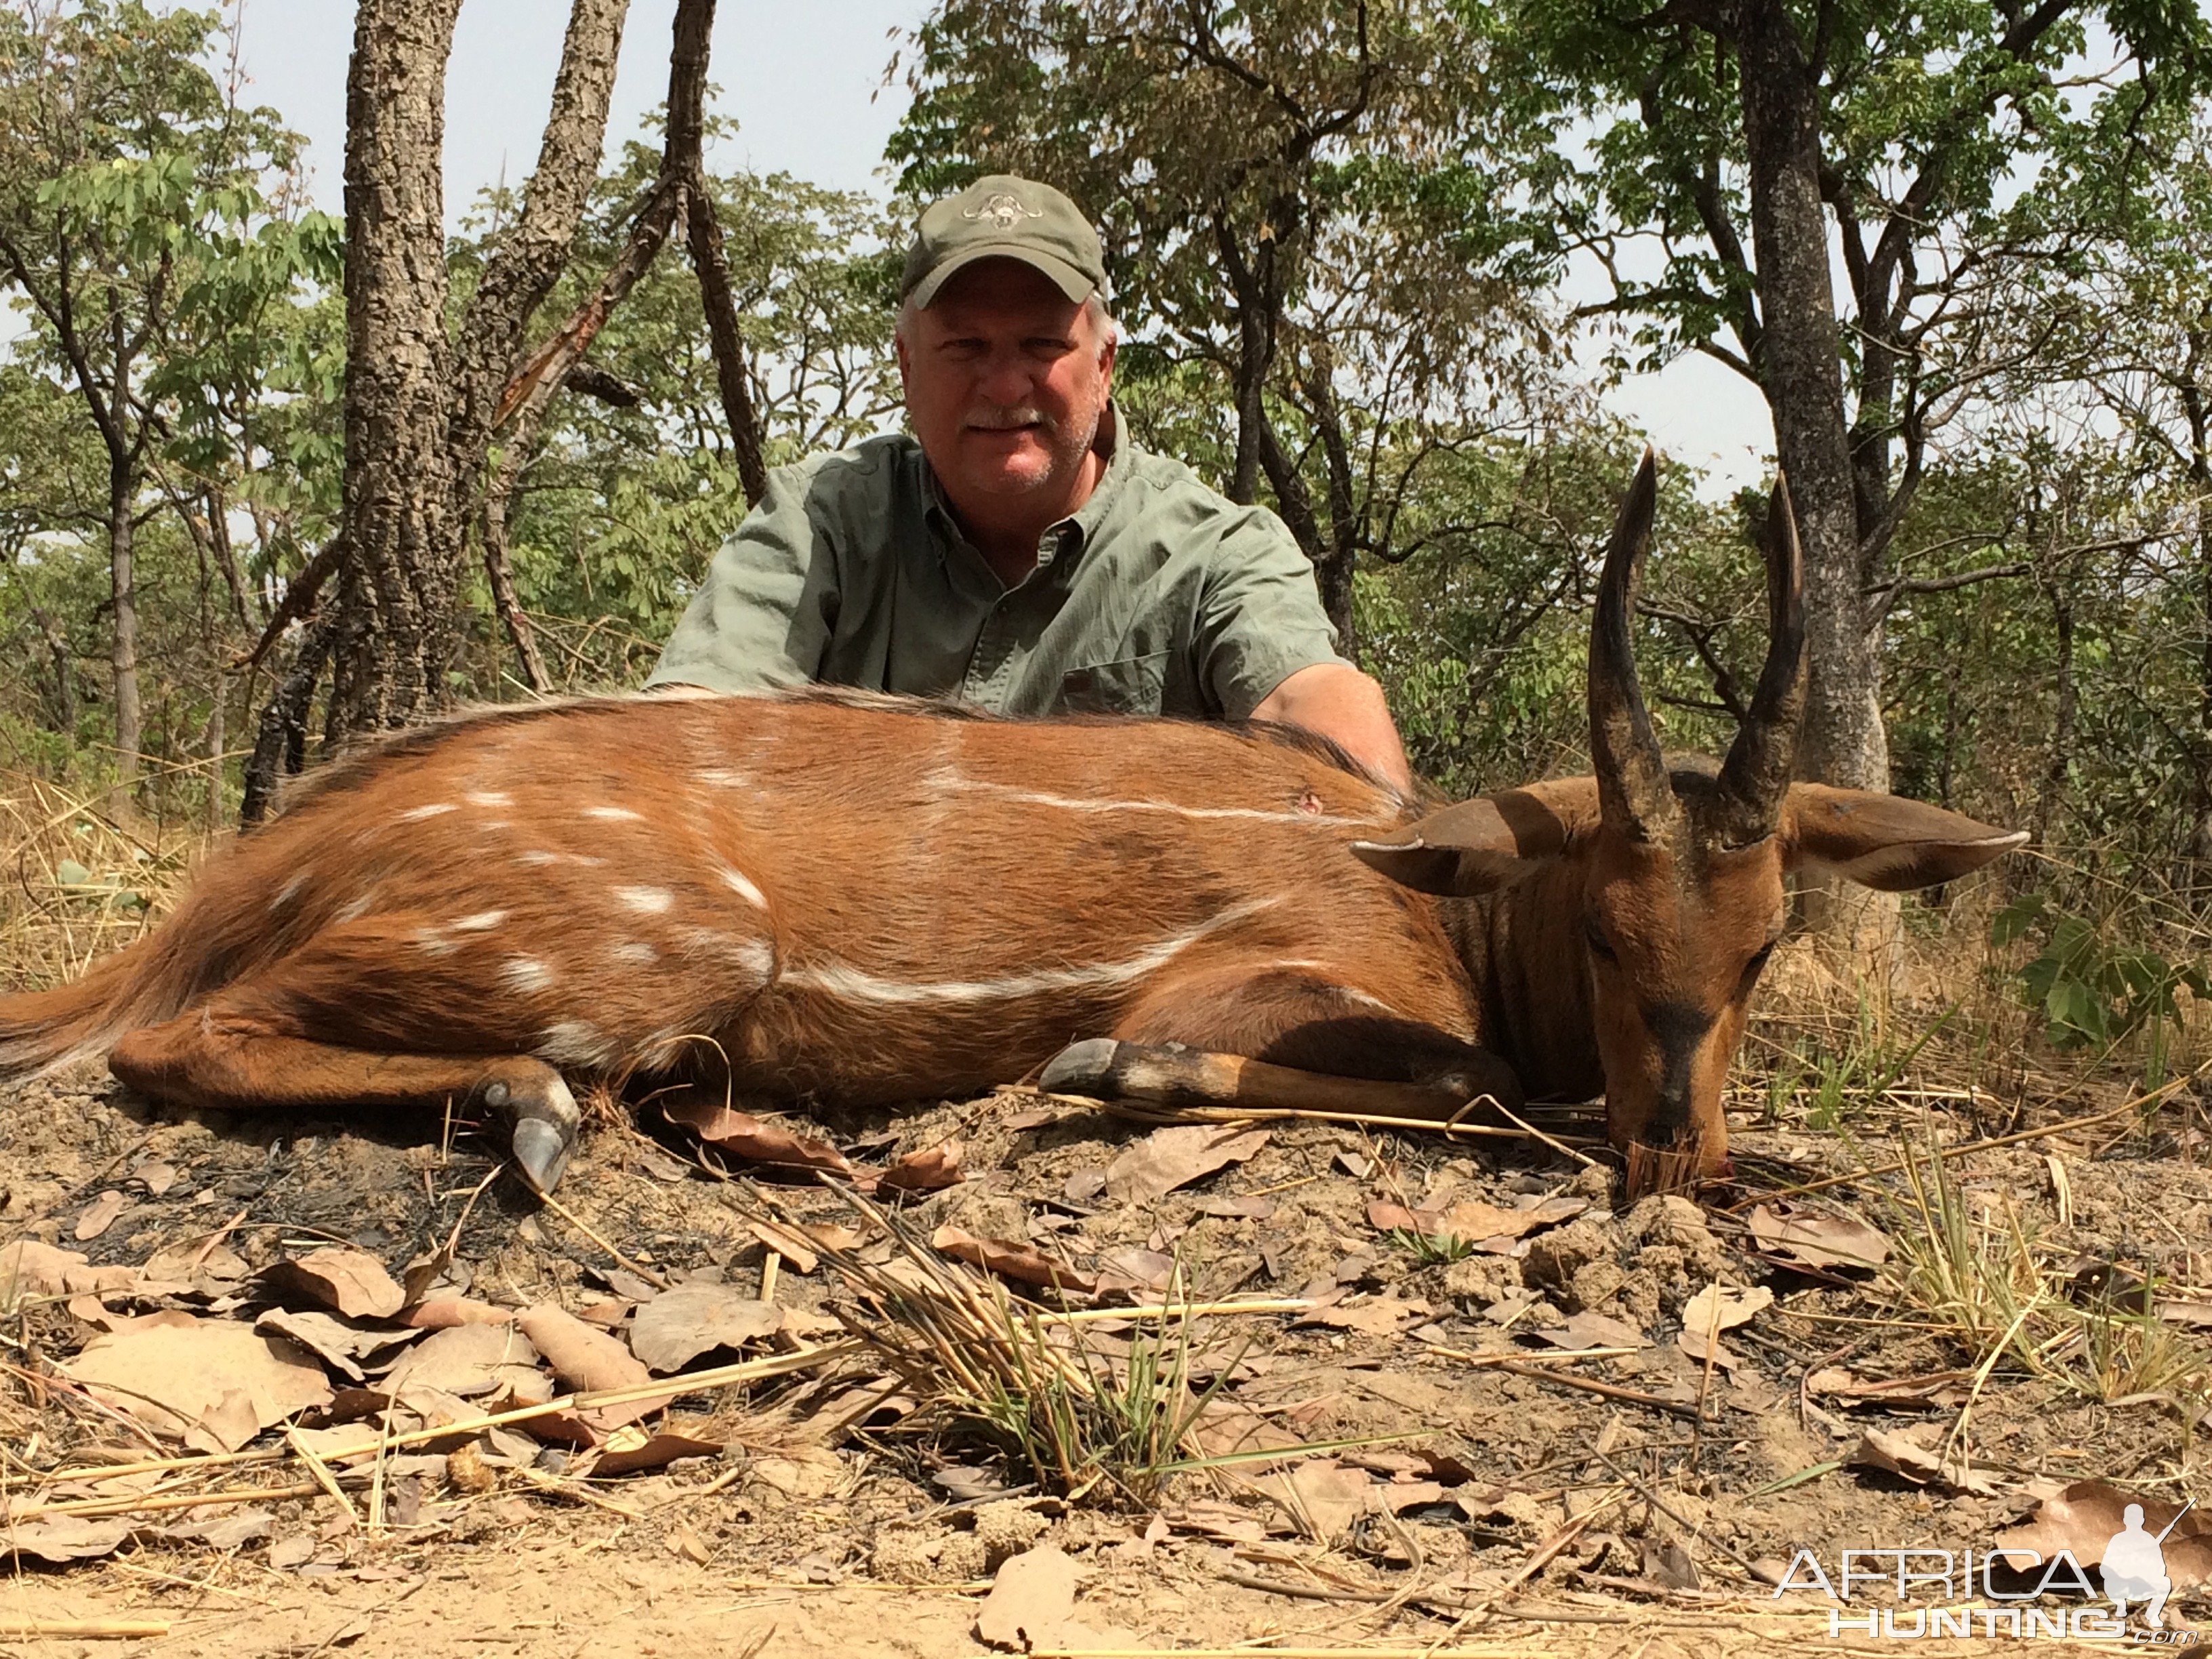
(1157, 597)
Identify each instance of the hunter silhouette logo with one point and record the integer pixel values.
(2135, 1566)
(1002, 210)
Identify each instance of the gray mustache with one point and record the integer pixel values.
(1005, 420)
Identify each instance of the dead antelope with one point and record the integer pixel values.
(863, 901)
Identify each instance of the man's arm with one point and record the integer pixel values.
(1335, 700)
(762, 614)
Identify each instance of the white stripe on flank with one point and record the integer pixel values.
(619, 814)
(949, 780)
(650, 901)
(742, 886)
(853, 985)
(488, 798)
(721, 777)
(288, 891)
(636, 954)
(482, 922)
(415, 814)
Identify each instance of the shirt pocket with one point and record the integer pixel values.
(1132, 685)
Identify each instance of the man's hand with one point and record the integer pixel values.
(1337, 702)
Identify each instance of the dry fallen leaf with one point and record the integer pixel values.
(100, 1215)
(588, 1361)
(757, 1140)
(29, 1268)
(2086, 1517)
(1012, 1261)
(441, 1312)
(926, 1171)
(1944, 1389)
(1718, 1307)
(1909, 1454)
(633, 1447)
(465, 1360)
(1595, 1330)
(1799, 1232)
(350, 1282)
(1175, 1156)
(1032, 1595)
(156, 1177)
(678, 1326)
(1376, 1316)
(1472, 1222)
(59, 1539)
(342, 1345)
(176, 1375)
(1323, 1495)
(1133, 1271)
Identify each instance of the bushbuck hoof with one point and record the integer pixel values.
(541, 1115)
(1083, 1068)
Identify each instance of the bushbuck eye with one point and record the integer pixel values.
(1594, 936)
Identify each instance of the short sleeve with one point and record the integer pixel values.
(763, 617)
(1260, 618)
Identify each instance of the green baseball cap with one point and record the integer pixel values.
(1002, 217)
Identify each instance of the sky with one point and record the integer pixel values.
(805, 83)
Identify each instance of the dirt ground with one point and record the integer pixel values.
(1457, 1505)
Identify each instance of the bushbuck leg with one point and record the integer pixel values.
(230, 1062)
(1296, 1042)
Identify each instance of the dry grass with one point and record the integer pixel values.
(79, 882)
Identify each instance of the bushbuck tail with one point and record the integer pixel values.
(840, 898)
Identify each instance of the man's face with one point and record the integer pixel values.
(1006, 381)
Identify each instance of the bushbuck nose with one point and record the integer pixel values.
(1677, 1031)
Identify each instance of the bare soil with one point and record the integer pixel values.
(882, 1539)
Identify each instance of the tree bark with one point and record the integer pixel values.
(534, 252)
(398, 586)
(1800, 367)
(123, 648)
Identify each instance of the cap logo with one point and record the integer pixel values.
(1003, 211)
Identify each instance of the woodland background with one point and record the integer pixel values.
(1959, 247)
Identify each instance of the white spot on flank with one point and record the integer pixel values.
(488, 798)
(636, 954)
(526, 974)
(288, 892)
(742, 886)
(536, 855)
(432, 941)
(621, 814)
(648, 901)
(721, 777)
(482, 922)
(947, 780)
(413, 814)
(575, 1043)
(854, 984)
(355, 910)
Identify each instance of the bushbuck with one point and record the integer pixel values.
(832, 897)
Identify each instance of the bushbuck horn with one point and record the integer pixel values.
(1756, 775)
(1632, 775)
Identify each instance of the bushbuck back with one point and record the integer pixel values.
(843, 898)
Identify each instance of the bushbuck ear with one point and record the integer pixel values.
(1476, 847)
(1885, 840)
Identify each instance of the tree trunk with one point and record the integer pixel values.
(1800, 367)
(130, 719)
(398, 584)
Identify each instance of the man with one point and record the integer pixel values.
(1019, 552)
